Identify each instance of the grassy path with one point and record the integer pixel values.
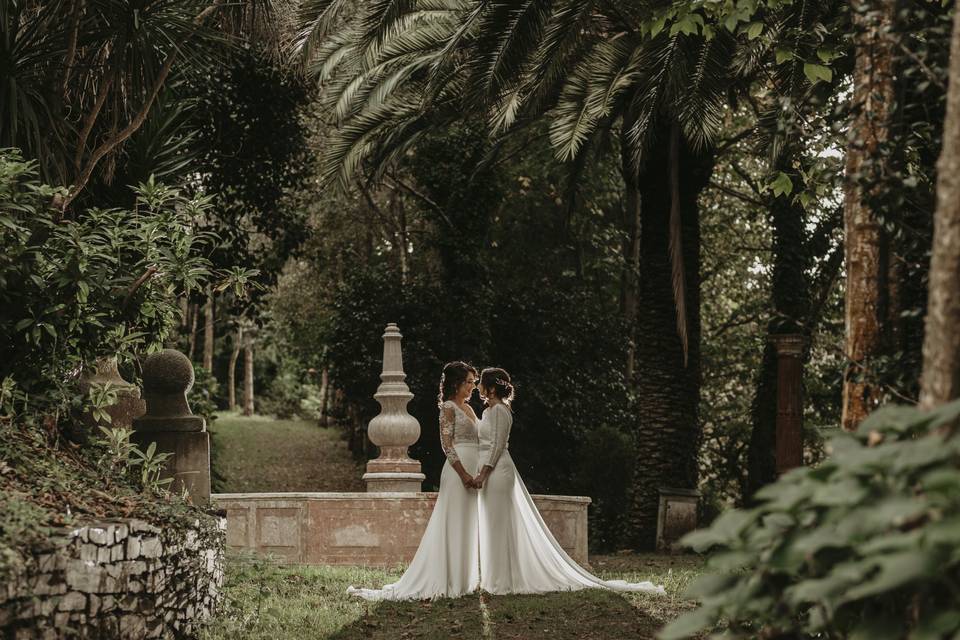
(269, 601)
(261, 453)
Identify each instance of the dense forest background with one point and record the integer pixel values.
(620, 205)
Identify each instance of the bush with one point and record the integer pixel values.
(866, 545)
(283, 396)
(102, 283)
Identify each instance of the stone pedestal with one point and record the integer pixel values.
(129, 405)
(394, 430)
(167, 376)
(789, 442)
(677, 515)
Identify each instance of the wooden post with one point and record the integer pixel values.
(789, 448)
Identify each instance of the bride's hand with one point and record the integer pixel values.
(468, 481)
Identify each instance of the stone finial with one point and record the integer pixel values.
(167, 377)
(393, 430)
(128, 406)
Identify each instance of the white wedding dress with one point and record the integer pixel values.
(447, 561)
(497, 541)
(518, 554)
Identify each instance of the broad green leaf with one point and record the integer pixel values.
(817, 72)
(782, 55)
(782, 185)
(754, 30)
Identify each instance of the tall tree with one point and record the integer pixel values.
(941, 346)
(867, 246)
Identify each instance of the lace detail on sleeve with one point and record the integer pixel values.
(447, 421)
(500, 423)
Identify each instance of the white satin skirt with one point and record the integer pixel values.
(518, 554)
(447, 562)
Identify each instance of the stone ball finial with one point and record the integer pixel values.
(167, 377)
(167, 372)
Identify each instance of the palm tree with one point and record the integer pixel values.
(655, 80)
(80, 78)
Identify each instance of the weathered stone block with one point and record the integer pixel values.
(151, 548)
(73, 601)
(100, 535)
(85, 576)
(132, 626)
(116, 552)
(133, 548)
(89, 552)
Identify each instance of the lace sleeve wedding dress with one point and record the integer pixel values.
(518, 554)
(446, 563)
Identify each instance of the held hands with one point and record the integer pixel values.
(468, 481)
(481, 478)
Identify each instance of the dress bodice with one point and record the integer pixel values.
(461, 429)
(494, 433)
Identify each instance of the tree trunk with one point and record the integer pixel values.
(668, 428)
(232, 370)
(631, 251)
(941, 344)
(790, 303)
(248, 407)
(324, 386)
(208, 332)
(194, 314)
(865, 241)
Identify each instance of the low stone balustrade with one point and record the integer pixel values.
(369, 529)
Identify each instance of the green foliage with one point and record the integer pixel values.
(123, 456)
(284, 396)
(104, 283)
(865, 545)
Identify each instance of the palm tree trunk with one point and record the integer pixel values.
(941, 344)
(865, 241)
(248, 407)
(668, 428)
(208, 320)
(232, 370)
(631, 250)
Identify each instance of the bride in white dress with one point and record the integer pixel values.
(447, 561)
(518, 554)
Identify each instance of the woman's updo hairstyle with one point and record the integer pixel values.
(498, 380)
(454, 374)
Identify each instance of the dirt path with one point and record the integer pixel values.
(260, 453)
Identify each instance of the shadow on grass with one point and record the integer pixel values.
(588, 614)
(440, 619)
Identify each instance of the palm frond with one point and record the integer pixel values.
(701, 107)
(316, 19)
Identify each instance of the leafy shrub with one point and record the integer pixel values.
(864, 546)
(283, 396)
(104, 282)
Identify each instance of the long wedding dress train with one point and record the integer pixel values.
(446, 563)
(518, 554)
(497, 542)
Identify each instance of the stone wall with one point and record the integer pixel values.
(118, 579)
(371, 529)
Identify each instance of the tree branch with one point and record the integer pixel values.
(152, 269)
(81, 182)
(71, 46)
(736, 194)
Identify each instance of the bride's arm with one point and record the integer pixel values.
(447, 421)
(500, 429)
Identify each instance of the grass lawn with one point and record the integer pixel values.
(263, 600)
(261, 453)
